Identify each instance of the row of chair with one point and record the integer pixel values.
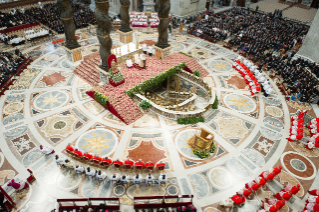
(119, 165)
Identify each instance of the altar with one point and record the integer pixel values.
(126, 51)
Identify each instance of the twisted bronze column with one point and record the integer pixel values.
(66, 17)
(125, 24)
(104, 27)
(163, 14)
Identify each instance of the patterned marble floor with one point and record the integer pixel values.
(48, 106)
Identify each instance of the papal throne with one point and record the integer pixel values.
(202, 141)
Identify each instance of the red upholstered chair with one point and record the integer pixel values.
(150, 168)
(105, 164)
(161, 168)
(138, 168)
(128, 167)
(117, 166)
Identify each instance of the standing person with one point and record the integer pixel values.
(181, 26)
(257, 7)
(46, 150)
(170, 28)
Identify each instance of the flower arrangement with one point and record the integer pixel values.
(215, 104)
(190, 120)
(203, 154)
(145, 104)
(196, 73)
(101, 98)
(151, 82)
(186, 54)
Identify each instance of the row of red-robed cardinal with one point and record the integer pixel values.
(296, 130)
(269, 205)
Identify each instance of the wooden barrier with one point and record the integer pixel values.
(163, 204)
(89, 203)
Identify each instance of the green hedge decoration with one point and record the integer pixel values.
(186, 54)
(145, 104)
(204, 154)
(196, 73)
(215, 104)
(190, 120)
(102, 99)
(151, 82)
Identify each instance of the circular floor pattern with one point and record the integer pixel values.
(298, 165)
(98, 141)
(240, 103)
(143, 190)
(220, 177)
(51, 100)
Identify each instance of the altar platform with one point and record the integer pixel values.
(121, 105)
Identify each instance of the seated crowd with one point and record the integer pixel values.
(14, 18)
(9, 64)
(49, 15)
(220, 25)
(272, 42)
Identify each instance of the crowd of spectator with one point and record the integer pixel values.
(273, 41)
(9, 64)
(14, 18)
(49, 15)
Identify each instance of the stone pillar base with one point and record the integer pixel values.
(103, 76)
(126, 37)
(74, 55)
(162, 53)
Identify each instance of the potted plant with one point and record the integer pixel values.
(145, 105)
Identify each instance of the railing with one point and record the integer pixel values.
(163, 204)
(89, 203)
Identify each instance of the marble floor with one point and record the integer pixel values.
(48, 105)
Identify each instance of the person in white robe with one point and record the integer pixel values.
(115, 177)
(150, 50)
(137, 58)
(100, 175)
(137, 178)
(149, 179)
(227, 203)
(162, 178)
(142, 62)
(125, 178)
(46, 150)
(144, 48)
(129, 63)
(60, 160)
(90, 172)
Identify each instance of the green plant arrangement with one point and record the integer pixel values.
(215, 104)
(212, 148)
(186, 54)
(102, 99)
(190, 120)
(204, 154)
(201, 154)
(196, 73)
(145, 104)
(151, 82)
